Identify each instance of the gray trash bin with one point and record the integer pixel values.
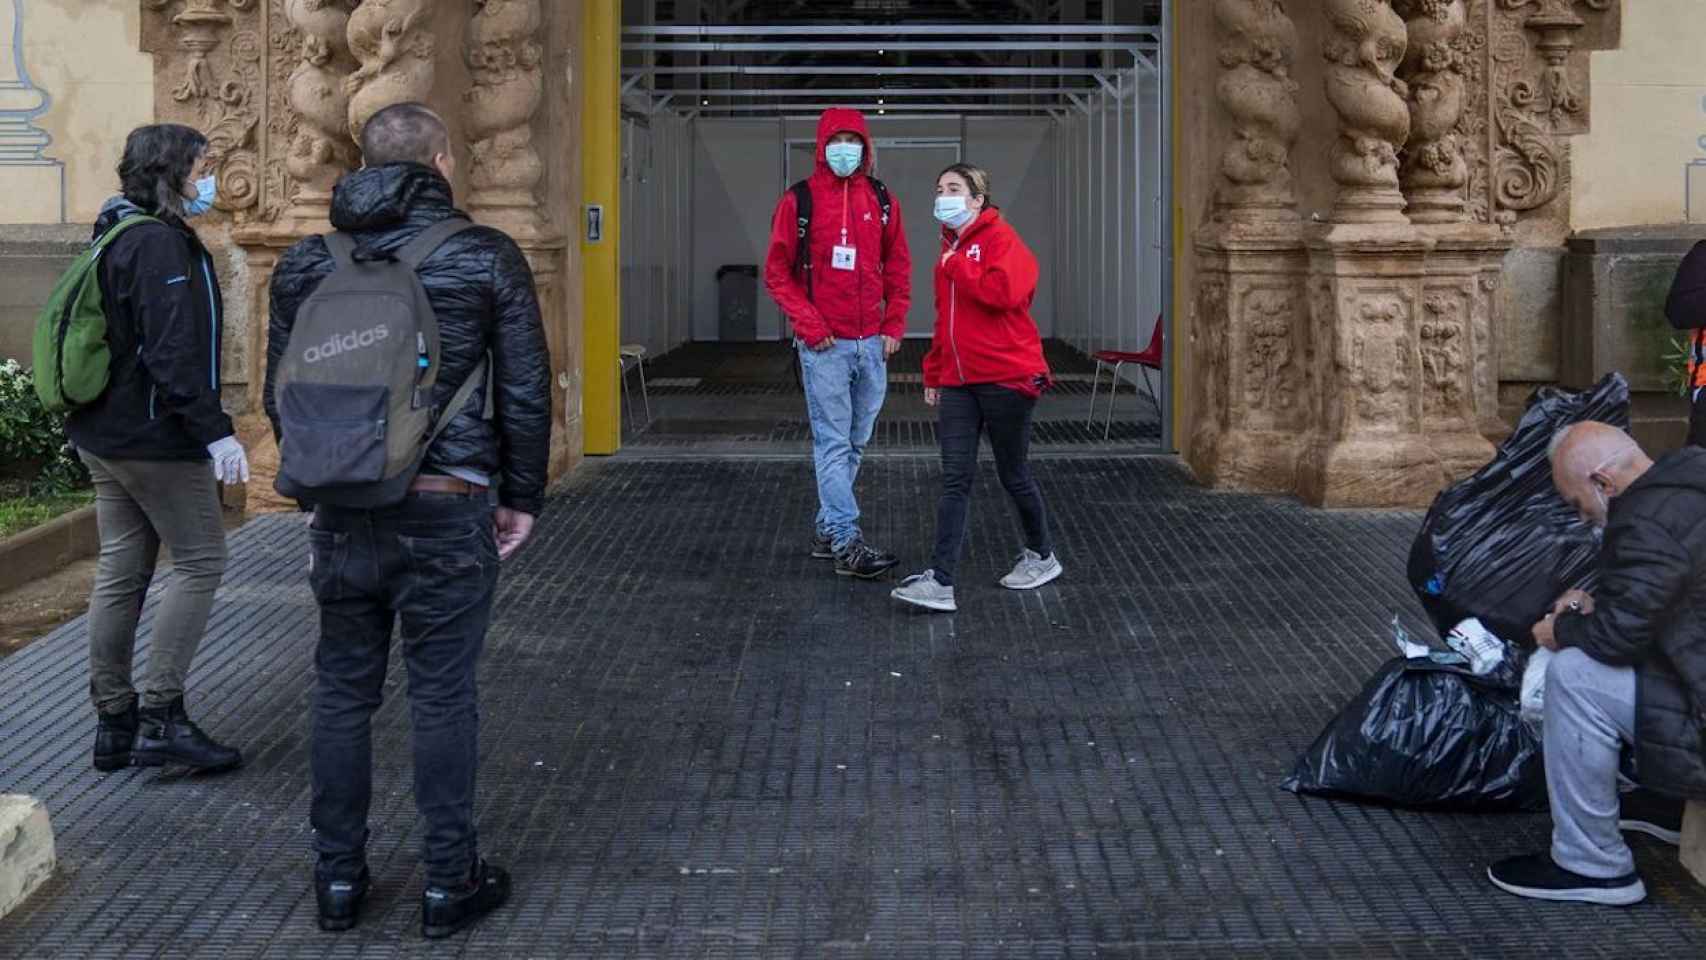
(737, 302)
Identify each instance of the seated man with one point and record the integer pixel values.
(1630, 669)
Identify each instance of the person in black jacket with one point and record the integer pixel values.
(156, 443)
(431, 561)
(1629, 669)
(1685, 308)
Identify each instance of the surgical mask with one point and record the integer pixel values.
(844, 158)
(951, 211)
(206, 189)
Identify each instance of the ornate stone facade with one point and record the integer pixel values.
(1256, 88)
(1354, 360)
(506, 63)
(283, 88)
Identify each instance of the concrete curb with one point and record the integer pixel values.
(26, 849)
(40, 551)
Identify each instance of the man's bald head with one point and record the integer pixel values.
(405, 132)
(1592, 463)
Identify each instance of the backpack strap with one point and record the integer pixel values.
(803, 225)
(883, 201)
(342, 248)
(459, 399)
(415, 252)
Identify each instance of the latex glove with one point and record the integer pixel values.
(230, 463)
(513, 528)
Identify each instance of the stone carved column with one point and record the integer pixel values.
(505, 61)
(1397, 351)
(1253, 357)
(1434, 171)
(1256, 88)
(321, 150)
(1365, 42)
(393, 42)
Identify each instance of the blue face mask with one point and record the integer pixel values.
(951, 211)
(206, 190)
(844, 157)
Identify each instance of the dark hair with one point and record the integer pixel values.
(157, 160)
(975, 177)
(404, 132)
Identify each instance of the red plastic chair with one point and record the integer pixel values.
(1149, 359)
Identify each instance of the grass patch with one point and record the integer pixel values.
(18, 514)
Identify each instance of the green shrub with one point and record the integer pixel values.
(35, 458)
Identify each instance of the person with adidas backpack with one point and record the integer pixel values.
(129, 347)
(838, 267)
(408, 383)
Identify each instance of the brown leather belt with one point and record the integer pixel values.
(436, 483)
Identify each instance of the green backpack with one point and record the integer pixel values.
(71, 357)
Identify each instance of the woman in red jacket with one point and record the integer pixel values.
(984, 374)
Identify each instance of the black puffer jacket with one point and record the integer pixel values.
(165, 329)
(1650, 613)
(482, 292)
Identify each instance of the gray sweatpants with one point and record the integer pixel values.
(1590, 715)
(138, 505)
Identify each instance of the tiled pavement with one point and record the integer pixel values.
(699, 743)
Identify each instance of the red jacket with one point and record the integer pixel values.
(985, 281)
(852, 304)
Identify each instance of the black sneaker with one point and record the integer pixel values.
(1653, 814)
(115, 734)
(444, 911)
(822, 547)
(340, 901)
(1537, 877)
(858, 559)
(166, 735)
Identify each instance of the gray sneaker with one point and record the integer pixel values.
(1032, 571)
(924, 591)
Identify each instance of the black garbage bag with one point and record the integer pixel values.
(1428, 733)
(1501, 545)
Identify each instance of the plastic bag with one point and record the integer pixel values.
(1429, 733)
(1534, 687)
(1477, 645)
(1501, 545)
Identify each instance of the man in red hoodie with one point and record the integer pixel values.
(847, 299)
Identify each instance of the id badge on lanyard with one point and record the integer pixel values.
(844, 256)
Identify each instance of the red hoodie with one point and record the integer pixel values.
(870, 299)
(985, 281)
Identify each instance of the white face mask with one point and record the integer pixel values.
(951, 211)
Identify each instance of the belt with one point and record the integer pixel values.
(436, 483)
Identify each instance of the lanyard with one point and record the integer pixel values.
(844, 192)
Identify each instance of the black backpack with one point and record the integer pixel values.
(803, 221)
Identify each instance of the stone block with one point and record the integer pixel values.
(1528, 337)
(1615, 284)
(26, 849)
(31, 260)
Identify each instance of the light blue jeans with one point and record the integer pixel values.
(845, 387)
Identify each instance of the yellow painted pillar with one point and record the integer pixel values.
(600, 226)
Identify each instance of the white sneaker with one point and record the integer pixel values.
(1032, 571)
(925, 591)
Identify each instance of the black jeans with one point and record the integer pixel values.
(964, 413)
(432, 562)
